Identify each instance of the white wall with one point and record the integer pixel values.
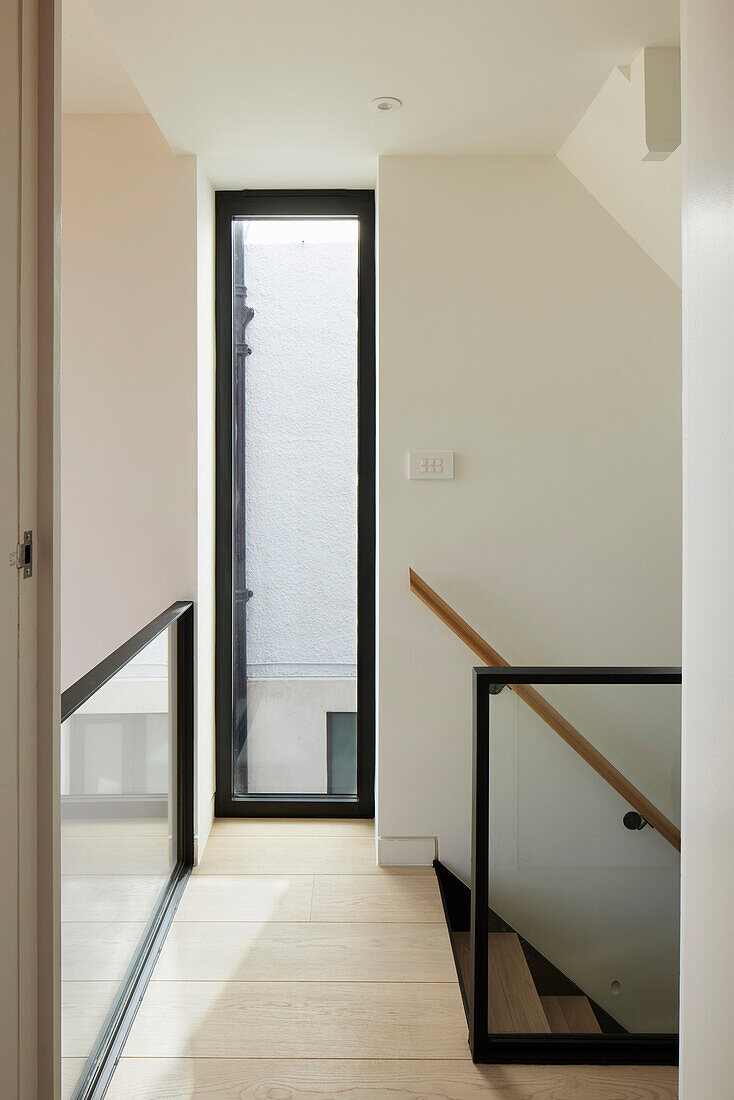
(137, 401)
(605, 152)
(128, 400)
(707, 1001)
(520, 326)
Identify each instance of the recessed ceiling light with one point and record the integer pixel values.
(385, 103)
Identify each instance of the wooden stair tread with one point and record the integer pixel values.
(514, 1005)
(570, 1015)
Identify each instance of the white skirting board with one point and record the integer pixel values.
(406, 851)
(202, 834)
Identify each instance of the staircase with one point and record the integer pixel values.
(570, 1015)
(514, 1004)
(582, 965)
(526, 994)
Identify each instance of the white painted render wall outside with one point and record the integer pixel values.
(301, 453)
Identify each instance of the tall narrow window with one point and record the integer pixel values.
(299, 551)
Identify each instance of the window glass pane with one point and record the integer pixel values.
(295, 497)
(341, 753)
(594, 904)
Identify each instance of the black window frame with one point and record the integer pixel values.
(358, 204)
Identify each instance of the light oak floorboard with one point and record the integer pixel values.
(292, 855)
(117, 855)
(84, 1006)
(285, 826)
(247, 910)
(389, 897)
(96, 827)
(235, 1079)
(307, 953)
(71, 1069)
(287, 855)
(98, 950)
(246, 898)
(299, 1020)
(109, 897)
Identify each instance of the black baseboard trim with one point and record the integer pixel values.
(321, 805)
(456, 901)
(577, 1050)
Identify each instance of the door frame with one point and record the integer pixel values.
(30, 188)
(297, 203)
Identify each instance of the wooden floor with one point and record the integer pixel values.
(297, 969)
(112, 872)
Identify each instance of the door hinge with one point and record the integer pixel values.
(24, 554)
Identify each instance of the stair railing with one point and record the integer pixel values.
(553, 718)
(489, 681)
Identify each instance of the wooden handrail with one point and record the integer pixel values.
(560, 725)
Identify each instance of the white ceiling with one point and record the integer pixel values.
(276, 92)
(93, 80)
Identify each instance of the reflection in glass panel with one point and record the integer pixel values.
(584, 908)
(118, 844)
(295, 498)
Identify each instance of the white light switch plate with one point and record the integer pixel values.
(430, 464)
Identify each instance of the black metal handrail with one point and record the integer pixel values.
(558, 1049)
(584, 674)
(103, 1058)
(88, 684)
(552, 717)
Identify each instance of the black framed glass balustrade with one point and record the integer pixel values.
(567, 945)
(126, 835)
